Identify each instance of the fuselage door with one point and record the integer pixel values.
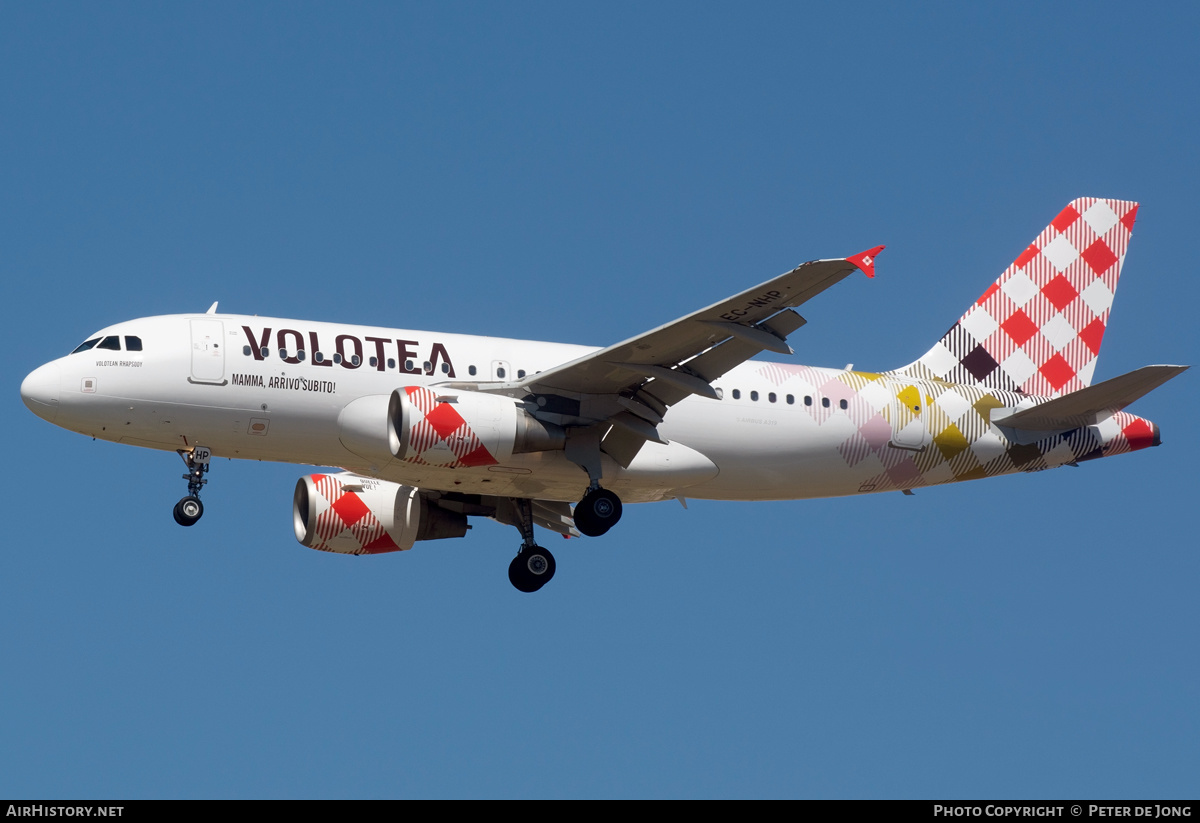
(208, 351)
(909, 430)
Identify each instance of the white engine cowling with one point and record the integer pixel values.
(448, 429)
(369, 427)
(349, 514)
(465, 429)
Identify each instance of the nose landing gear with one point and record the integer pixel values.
(190, 509)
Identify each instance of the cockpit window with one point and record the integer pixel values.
(112, 343)
(85, 345)
(133, 343)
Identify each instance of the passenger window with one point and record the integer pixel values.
(408, 366)
(520, 373)
(791, 400)
(471, 370)
(808, 400)
(85, 345)
(246, 350)
(500, 372)
(374, 361)
(771, 397)
(133, 343)
(318, 357)
(825, 402)
(843, 404)
(355, 360)
(300, 355)
(110, 343)
(337, 358)
(737, 394)
(391, 362)
(445, 368)
(754, 396)
(265, 352)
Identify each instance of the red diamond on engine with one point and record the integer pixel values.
(381, 544)
(444, 419)
(1099, 256)
(1057, 371)
(478, 457)
(350, 508)
(1060, 292)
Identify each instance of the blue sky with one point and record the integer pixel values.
(581, 173)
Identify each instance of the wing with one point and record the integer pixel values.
(623, 391)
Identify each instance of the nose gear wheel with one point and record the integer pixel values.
(189, 509)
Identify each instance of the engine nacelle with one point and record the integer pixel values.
(370, 427)
(349, 514)
(463, 429)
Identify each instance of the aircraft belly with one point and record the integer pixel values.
(657, 472)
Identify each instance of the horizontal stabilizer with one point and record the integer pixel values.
(1086, 406)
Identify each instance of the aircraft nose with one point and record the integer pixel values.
(40, 391)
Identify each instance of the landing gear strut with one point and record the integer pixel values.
(190, 509)
(597, 512)
(533, 566)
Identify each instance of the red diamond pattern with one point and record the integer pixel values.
(1099, 256)
(1019, 327)
(1057, 371)
(1065, 219)
(1092, 335)
(350, 508)
(479, 457)
(444, 420)
(1060, 292)
(1130, 216)
(1139, 433)
(381, 544)
(442, 436)
(1023, 260)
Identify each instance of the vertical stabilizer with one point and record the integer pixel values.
(1038, 328)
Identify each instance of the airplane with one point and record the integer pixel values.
(429, 429)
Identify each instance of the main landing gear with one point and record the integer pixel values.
(190, 509)
(533, 566)
(597, 512)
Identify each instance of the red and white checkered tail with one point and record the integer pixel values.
(1038, 328)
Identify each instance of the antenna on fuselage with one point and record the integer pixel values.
(213, 308)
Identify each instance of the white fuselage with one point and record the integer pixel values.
(225, 382)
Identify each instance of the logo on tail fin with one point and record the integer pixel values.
(1038, 328)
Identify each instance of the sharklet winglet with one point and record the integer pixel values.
(865, 260)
